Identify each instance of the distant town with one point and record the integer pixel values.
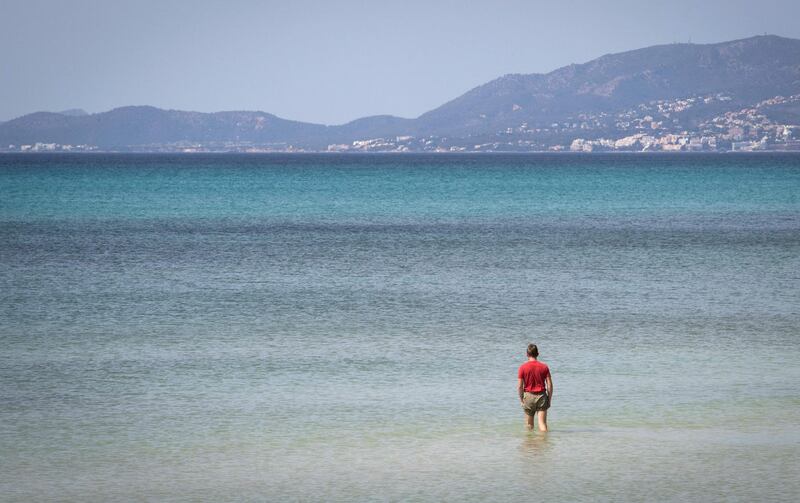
(650, 127)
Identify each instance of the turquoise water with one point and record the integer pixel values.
(334, 328)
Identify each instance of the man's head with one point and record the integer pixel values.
(533, 351)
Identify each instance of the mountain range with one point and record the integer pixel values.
(668, 89)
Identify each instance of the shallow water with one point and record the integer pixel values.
(349, 327)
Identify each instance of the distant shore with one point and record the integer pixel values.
(391, 153)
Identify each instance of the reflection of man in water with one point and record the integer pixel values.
(535, 387)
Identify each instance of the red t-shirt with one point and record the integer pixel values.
(533, 373)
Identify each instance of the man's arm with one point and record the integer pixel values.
(548, 382)
(521, 390)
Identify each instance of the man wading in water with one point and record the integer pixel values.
(534, 377)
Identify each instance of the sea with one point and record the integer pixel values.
(312, 327)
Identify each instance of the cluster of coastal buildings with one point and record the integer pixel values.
(644, 142)
(684, 143)
(173, 147)
(654, 126)
(748, 129)
(50, 147)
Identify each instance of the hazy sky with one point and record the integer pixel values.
(328, 61)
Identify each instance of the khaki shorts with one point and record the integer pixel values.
(534, 402)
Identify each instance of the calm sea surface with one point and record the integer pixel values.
(335, 328)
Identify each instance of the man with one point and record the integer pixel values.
(535, 387)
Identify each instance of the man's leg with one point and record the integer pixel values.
(528, 422)
(542, 420)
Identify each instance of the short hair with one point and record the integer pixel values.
(533, 350)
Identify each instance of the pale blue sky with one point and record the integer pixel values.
(328, 61)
